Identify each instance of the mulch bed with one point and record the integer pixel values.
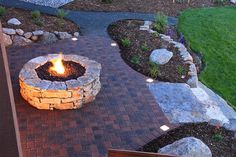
(49, 23)
(72, 71)
(152, 6)
(224, 147)
(130, 29)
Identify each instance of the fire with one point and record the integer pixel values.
(58, 66)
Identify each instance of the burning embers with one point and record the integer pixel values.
(60, 81)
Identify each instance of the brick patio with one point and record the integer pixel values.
(124, 114)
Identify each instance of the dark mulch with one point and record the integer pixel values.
(153, 6)
(49, 23)
(72, 71)
(130, 29)
(224, 147)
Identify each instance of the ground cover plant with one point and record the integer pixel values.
(136, 46)
(212, 32)
(34, 20)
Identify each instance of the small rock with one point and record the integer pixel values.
(19, 31)
(34, 37)
(48, 38)
(144, 28)
(20, 41)
(14, 21)
(56, 32)
(193, 81)
(76, 34)
(38, 32)
(9, 31)
(28, 35)
(187, 147)
(160, 56)
(147, 23)
(7, 40)
(64, 35)
(215, 122)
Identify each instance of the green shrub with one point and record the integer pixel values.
(107, 1)
(181, 70)
(61, 14)
(135, 60)
(144, 47)
(126, 42)
(217, 137)
(160, 23)
(3, 11)
(153, 69)
(35, 14)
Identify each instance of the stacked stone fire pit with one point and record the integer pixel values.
(43, 89)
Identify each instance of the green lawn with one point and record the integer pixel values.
(212, 31)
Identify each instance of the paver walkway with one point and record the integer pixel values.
(124, 114)
(91, 23)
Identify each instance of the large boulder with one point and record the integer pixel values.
(48, 38)
(7, 40)
(233, 1)
(187, 147)
(20, 41)
(14, 21)
(160, 56)
(64, 35)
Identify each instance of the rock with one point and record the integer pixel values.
(178, 102)
(20, 41)
(28, 35)
(231, 125)
(64, 35)
(160, 56)
(14, 21)
(233, 1)
(19, 31)
(193, 81)
(9, 31)
(34, 37)
(48, 38)
(76, 34)
(215, 122)
(56, 32)
(38, 32)
(187, 147)
(7, 40)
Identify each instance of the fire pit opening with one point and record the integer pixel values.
(72, 71)
(60, 81)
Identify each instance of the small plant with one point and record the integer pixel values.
(181, 70)
(3, 11)
(160, 23)
(153, 69)
(107, 1)
(35, 14)
(61, 14)
(145, 47)
(217, 137)
(135, 60)
(126, 42)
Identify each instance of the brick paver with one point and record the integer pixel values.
(124, 114)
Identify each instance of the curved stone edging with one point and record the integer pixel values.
(193, 80)
(71, 94)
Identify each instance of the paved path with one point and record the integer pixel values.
(124, 114)
(91, 23)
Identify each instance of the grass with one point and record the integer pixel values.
(212, 31)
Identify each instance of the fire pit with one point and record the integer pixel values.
(60, 81)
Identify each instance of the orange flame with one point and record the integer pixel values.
(58, 66)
